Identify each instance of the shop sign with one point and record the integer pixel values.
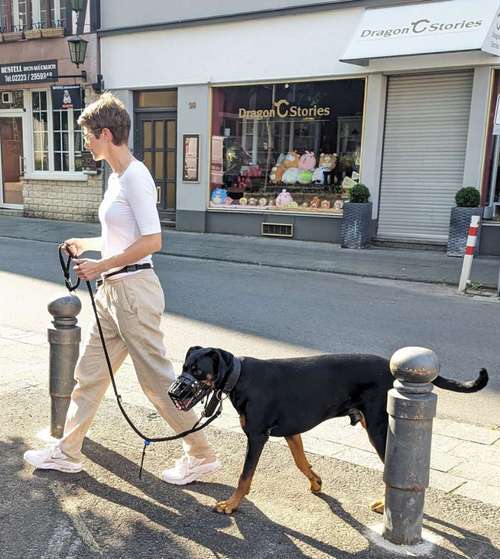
(28, 72)
(424, 28)
(66, 97)
(283, 109)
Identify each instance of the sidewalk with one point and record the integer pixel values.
(400, 264)
(108, 512)
(465, 458)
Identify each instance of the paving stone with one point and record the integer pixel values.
(477, 471)
(445, 482)
(444, 462)
(322, 447)
(489, 454)
(481, 492)
(441, 443)
(465, 432)
(361, 458)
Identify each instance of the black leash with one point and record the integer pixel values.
(212, 406)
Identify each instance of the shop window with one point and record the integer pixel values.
(40, 131)
(289, 146)
(5, 15)
(157, 99)
(12, 99)
(66, 154)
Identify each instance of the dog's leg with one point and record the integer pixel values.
(376, 428)
(255, 444)
(297, 450)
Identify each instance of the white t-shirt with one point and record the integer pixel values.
(128, 211)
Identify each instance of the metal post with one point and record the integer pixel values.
(64, 340)
(469, 253)
(411, 406)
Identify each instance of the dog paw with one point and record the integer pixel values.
(377, 506)
(226, 507)
(316, 484)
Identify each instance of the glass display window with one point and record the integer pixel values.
(287, 146)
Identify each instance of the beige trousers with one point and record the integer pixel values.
(130, 310)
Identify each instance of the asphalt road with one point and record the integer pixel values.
(268, 312)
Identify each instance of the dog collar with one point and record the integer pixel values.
(232, 376)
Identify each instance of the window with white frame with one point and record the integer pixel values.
(26, 14)
(57, 137)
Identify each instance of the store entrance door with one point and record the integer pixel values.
(11, 161)
(156, 145)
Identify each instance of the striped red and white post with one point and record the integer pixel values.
(469, 253)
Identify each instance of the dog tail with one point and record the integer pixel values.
(470, 386)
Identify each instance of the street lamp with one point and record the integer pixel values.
(77, 50)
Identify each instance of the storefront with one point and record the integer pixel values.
(273, 140)
(286, 146)
(44, 170)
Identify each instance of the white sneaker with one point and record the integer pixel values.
(188, 469)
(52, 458)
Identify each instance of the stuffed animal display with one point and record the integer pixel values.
(285, 169)
(284, 199)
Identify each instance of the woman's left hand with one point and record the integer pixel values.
(88, 269)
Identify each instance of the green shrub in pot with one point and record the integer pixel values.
(468, 197)
(359, 194)
(468, 200)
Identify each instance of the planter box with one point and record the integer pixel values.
(12, 36)
(459, 227)
(356, 225)
(53, 32)
(32, 33)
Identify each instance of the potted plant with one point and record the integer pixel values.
(357, 218)
(467, 200)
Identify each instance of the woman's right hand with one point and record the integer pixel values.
(74, 247)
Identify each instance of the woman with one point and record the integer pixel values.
(130, 302)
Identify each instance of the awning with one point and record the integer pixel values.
(426, 28)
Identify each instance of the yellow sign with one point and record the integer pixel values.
(283, 109)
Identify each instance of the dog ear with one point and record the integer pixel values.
(193, 348)
(225, 362)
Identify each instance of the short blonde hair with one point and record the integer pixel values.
(107, 112)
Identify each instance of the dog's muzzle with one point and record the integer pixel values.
(187, 391)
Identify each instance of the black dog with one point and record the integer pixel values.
(286, 397)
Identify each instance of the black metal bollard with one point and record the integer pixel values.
(411, 406)
(64, 340)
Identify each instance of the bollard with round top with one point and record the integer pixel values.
(411, 406)
(64, 340)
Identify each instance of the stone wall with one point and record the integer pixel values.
(65, 200)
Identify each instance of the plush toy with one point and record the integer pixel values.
(348, 183)
(284, 199)
(228, 201)
(251, 171)
(262, 201)
(243, 201)
(293, 204)
(328, 161)
(252, 201)
(218, 196)
(325, 204)
(291, 159)
(307, 161)
(291, 175)
(315, 202)
(305, 176)
(319, 175)
(276, 174)
(281, 158)
(338, 205)
(304, 205)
